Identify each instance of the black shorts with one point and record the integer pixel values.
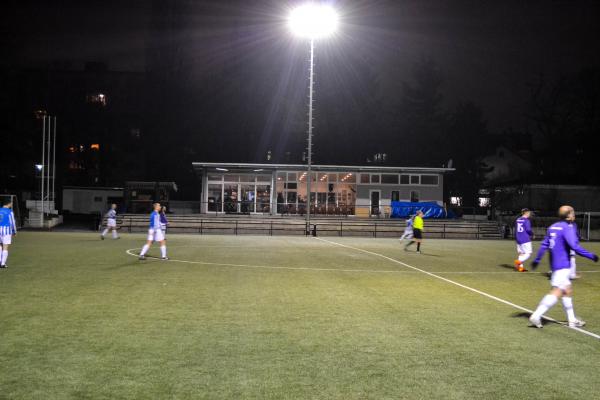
(417, 233)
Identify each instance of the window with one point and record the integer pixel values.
(96, 98)
(429, 180)
(404, 179)
(456, 201)
(389, 178)
(291, 185)
(95, 146)
(414, 179)
(374, 178)
(365, 178)
(395, 195)
(414, 196)
(484, 202)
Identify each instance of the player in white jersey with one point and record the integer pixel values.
(8, 228)
(111, 222)
(155, 234)
(408, 231)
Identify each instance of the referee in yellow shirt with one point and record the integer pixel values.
(417, 231)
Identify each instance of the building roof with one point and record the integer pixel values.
(285, 167)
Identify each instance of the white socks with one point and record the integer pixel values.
(4, 257)
(163, 251)
(114, 233)
(144, 250)
(105, 232)
(524, 257)
(567, 303)
(547, 303)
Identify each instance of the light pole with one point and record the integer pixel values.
(311, 21)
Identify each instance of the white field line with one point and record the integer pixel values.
(374, 271)
(433, 275)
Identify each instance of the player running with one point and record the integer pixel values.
(155, 234)
(8, 228)
(559, 240)
(523, 236)
(408, 231)
(111, 222)
(417, 231)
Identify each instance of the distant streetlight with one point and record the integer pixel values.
(312, 21)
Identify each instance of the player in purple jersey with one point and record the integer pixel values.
(523, 237)
(573, 274)
(559, 241)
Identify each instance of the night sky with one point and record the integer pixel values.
(488, 51)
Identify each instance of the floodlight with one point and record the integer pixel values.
(313, 20)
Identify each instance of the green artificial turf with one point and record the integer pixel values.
(256, 317)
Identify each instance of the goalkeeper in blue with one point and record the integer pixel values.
(155, 234)
(560, 239)
(8, 228)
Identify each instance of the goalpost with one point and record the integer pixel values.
(590, 221)
(16, 210)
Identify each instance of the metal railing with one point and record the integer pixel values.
(339, 227)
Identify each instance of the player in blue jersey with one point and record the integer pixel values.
(523, 237)
(155, 234)
(111, 222)
(560, 239)
(8, 228)
(408, 231)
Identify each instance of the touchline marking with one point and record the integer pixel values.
(592, 334)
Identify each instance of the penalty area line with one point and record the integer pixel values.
(489, 296)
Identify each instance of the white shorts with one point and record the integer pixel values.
(111, 223)
(6, 239)
(156, 235)
(524, 248)
(561, 278)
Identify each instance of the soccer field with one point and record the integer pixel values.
(256, 317)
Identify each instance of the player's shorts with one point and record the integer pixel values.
(156, 235)
(561, 278)
(6, 239)
(524, 248)
(111, 223)
(417, 233)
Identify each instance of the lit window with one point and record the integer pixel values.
(96, 98)
(95, 146)
(39, 114)
(484, 202)
(456, 200)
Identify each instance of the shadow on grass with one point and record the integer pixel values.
(526, 315)
(507, 266)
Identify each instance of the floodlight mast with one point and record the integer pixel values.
(311, 21)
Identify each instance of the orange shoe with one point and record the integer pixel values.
(521, 269)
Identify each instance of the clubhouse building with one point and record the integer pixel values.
(281, 189)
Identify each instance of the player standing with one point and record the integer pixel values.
(155, 234)
(8, 228)
(559, 240)
(417, 231)
(408, 231)
(111, 222)
(523, 236)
